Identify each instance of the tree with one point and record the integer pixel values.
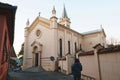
(113, 41)
(22, 50)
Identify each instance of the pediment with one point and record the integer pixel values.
(39, 20)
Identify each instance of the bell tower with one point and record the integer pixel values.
(65, 20)
(53, 19)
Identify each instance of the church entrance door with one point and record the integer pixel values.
(36, 59)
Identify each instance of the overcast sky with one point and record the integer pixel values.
(85, 15)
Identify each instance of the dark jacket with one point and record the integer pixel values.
(76, 69)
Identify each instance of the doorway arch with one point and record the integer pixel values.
(35, 56)
(37, 53)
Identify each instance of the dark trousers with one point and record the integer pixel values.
(77, 78)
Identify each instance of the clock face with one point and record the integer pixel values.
(38, 33)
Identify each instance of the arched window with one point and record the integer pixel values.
(75, 47)
(60, 43)
(69, 47)
(80, 47)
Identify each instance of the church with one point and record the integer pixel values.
(52, 44)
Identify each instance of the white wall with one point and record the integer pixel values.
(46, 39)
(91, 40)
(68, 35)
(89, 65)
(109, 66)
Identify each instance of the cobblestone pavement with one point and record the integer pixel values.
(43, 75)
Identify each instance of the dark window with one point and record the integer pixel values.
(80, 47)
(69, 47)
(60, 42)
(75, 47)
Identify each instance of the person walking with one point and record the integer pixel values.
(76, 70)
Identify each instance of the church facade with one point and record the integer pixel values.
(51, 43)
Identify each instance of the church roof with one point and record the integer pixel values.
(69, 29)
(93, 32)
(53, 11)
(64, 14)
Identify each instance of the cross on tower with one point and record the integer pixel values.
(39, 13)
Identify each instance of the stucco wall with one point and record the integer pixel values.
(61, 35)
(46, 38)
(63, 65)
(66, 64)
(67, 35)
(75, 39)
(91, 40)
(109, 66)
(89, 65)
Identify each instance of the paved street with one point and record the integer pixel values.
(43, 75)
